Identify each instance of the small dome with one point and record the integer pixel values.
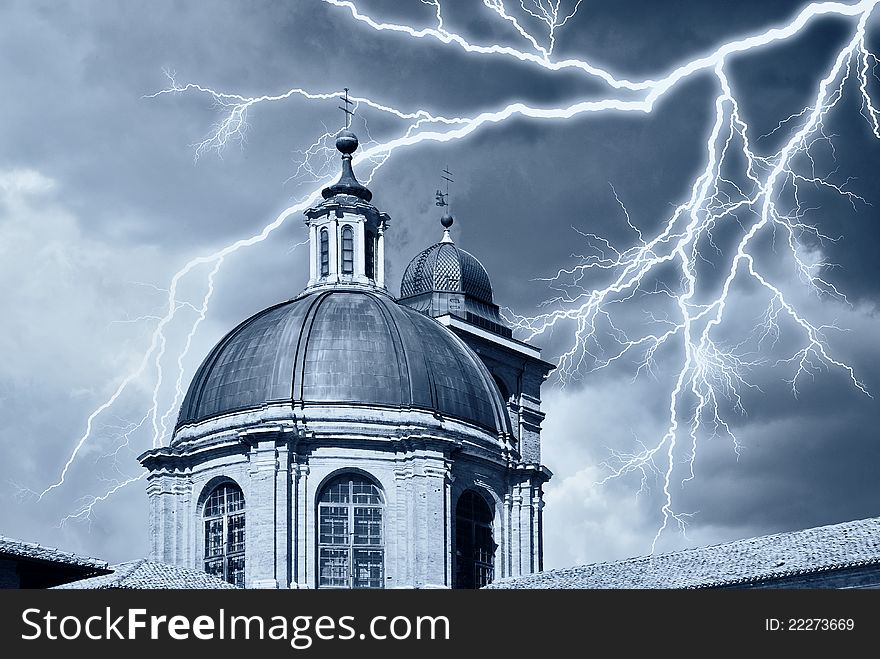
(445, 267)
(351, 347)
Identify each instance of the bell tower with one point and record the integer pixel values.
(450, 285)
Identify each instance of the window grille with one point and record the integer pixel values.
(224, 533)
(347, 251)
(325, 253)
(351, 544)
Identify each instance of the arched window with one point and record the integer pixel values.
(350, 539)
(474, 546)
(224, 533)
(370, 255)
(347, 250)
(325, 253)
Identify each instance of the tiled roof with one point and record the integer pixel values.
(37, 552)
(849, 544)
(445, 267)
(142, 574)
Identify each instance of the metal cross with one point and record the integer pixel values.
(344, 108)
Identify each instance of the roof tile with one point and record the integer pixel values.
(817, 549)
(145, 574)
(38, 552)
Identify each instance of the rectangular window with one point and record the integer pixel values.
(347, 251)
(325, 253)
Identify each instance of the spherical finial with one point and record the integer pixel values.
(346, 142)
(446, 221)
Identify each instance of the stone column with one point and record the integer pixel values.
(260, 559)
(405, 527)
(360, 259)
(433, 544)
(191, 517)
(313, 254)
(537, 549)
(301, 536)
(154, 490)
(516, 533)
(507, 536)
(282, 519)
(380, 257)
(398, 546)
(334, 250)
(182, 491)
(526, 530)
(163, 518)
(449, 518)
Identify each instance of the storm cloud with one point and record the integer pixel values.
(101, 201)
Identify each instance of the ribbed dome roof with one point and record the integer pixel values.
(445, 267)
(351, 347)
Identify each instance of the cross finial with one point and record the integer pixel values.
(344, 108)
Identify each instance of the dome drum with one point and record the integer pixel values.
(315, 423)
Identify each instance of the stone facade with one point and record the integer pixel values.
(282, 460)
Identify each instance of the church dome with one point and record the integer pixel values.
(448, 268)
(349, 347)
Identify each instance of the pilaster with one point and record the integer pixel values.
(283, 549)
(313, 254)
(380, 256)
(360, 262)
(303, 540)
(334, 250)
(260, 547)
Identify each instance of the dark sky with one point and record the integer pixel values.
(101, 202)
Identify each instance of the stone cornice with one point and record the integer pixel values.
(345, 203)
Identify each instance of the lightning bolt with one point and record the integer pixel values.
(712, 371)
(160, 429)
(544, 11)
(86, 510)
